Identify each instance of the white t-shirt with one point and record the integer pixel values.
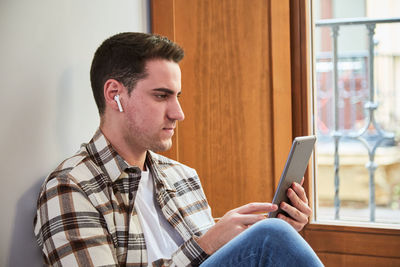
(161, 238)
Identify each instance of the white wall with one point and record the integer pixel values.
(46, 104)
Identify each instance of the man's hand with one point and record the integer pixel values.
(299, 210)
(233, 223)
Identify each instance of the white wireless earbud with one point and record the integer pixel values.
(116, 98)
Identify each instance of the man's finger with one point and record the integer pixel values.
(298, 203)
(300, 192)
(295, 213)
(249, 219)
(296, 225)
(256, 207)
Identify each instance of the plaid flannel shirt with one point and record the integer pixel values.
(86, 214)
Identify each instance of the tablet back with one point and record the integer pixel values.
(295, 167)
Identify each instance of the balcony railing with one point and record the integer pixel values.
(355, 104)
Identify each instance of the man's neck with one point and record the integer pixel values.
(126, 151)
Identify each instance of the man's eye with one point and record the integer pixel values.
(163, 96)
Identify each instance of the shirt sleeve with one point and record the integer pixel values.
(69, 229)
(189, 254)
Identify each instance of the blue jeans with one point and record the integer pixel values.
(270, 242)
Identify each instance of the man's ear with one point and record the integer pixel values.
(113, 88)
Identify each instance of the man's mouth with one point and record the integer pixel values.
(169, 129)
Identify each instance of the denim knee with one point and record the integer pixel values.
(270, 242)
(274, 227)
(282, 244)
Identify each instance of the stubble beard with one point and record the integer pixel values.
(163, 146)
(135, 138)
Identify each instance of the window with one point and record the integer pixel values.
(356, 52)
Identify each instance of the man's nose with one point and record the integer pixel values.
(175, 111)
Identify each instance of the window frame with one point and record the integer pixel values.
(335, 243)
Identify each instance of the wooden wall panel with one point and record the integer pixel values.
(163, 18)
(227, 136)
(163, 22)
(236, 94)
(354, 246)
(343, 260)
(354, 240)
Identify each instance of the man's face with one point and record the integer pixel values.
(153, 108)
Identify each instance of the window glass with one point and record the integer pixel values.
(357, 110)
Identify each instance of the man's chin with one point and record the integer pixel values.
(163, 146)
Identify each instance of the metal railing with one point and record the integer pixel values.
(370, 106)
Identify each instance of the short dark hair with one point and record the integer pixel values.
(123, 57)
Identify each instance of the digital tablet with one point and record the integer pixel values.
(295, 167)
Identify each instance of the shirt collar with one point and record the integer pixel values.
(105, 156)
(156, 167)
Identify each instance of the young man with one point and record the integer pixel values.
(116, 202)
